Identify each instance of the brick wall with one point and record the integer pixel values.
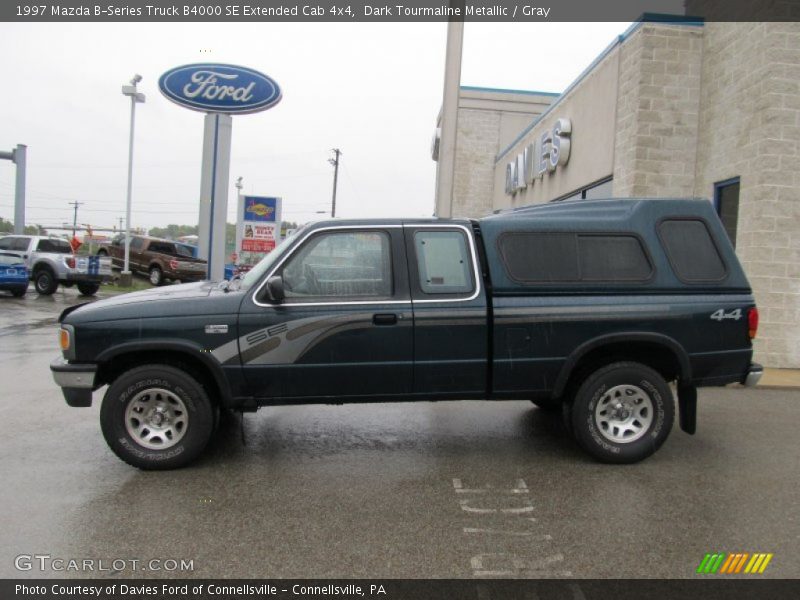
(749, 128)
(657, 111)
(477, 141)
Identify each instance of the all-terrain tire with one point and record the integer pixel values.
(622, 413)
(157, 417)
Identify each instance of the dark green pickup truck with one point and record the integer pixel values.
(588, 307)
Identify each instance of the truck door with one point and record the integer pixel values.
(344, 328)
(135, 253)
(450, 316)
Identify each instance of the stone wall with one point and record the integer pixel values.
(657, 111)
(750, 128)
(477, 141)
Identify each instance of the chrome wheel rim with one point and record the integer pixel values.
(155, 276)
(156, 419)
(624, 414)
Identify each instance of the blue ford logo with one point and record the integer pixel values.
(219, 88)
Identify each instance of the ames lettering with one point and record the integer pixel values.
(550, 150)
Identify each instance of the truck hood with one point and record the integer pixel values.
(205, 298)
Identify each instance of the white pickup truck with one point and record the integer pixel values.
(51, 261)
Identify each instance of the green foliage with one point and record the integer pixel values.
(173, 231)
(8, 227)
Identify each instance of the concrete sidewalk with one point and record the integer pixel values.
(780, 379)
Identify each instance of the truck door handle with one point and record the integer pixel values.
(384, 319)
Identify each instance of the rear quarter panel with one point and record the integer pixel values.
(536, 337)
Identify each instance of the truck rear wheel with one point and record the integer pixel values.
(45, 282)
(157, 417)
(622, 413)
(88, 288)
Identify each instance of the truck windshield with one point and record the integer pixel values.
(266, 263)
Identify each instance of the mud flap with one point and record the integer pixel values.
(687, 401)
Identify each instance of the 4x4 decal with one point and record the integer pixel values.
(721, 315)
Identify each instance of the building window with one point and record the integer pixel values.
(596, 191)
(726, 201)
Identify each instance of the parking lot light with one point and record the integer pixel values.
(135, 96)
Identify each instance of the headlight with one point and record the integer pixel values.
(66, 339)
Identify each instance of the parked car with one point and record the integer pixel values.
(50, 261)
(161, 260)
(13, 274)
(587, 307)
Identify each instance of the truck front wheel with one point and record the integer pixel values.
(157, 417)
(622, 413)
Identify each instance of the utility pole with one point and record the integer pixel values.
(335, 162)
(75, 204)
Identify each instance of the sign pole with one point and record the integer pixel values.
(214, 192)
(219, 90)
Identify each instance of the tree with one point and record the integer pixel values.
(173, 231)
(8, 227)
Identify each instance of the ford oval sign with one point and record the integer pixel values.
(219, 88)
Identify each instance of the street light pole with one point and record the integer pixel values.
(237, 250)
(135, 96)
(335, 162)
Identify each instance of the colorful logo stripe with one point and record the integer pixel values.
(734, 563)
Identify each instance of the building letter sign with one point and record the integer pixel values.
(551, 150)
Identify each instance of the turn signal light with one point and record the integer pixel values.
(71, 262)
(752, 322)
(63, 338)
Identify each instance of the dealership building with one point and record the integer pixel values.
(669, 109)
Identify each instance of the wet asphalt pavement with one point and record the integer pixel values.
(450, 489)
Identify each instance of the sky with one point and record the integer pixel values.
(372, 90)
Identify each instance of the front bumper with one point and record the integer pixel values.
(754, 373)
(76, 381)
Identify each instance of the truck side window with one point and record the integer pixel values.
(51, 245)
(691, 250)
(443, 262)
(136, 243)
(341, 265)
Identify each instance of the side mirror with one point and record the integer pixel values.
(275, 290)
